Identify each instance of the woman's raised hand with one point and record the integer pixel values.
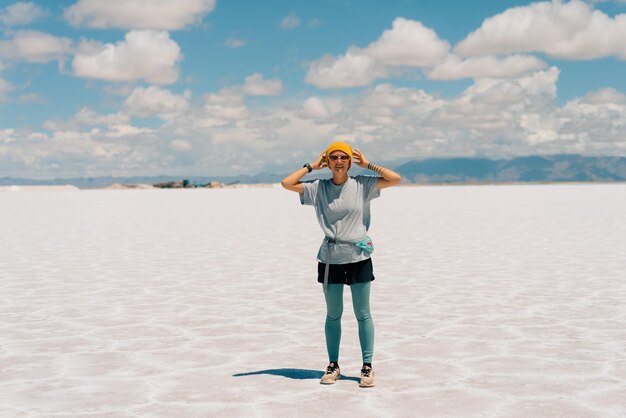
(359, 159)
(320, 162)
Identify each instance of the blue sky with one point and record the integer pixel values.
(203, 87)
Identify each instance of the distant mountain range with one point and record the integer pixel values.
(554, 168)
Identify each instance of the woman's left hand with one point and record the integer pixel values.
(359, 159)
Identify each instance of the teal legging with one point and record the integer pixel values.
(334, 310)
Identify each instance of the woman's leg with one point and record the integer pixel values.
(361, 305)
(334, 310)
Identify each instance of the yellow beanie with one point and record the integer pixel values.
(339, 146)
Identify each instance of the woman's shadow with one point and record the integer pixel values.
(299, 374)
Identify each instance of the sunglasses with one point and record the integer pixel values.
(339, 157)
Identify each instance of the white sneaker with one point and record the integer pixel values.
(367, 377)
(331, 375)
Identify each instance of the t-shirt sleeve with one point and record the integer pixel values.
(370, 187)
(309, 195)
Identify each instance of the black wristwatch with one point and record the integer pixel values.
(308, 167)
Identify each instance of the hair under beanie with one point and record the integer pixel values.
(339, 146)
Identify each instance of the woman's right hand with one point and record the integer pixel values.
(320, 162)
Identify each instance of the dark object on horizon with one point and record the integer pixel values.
(178, 184)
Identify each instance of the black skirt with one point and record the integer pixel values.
(359, 272)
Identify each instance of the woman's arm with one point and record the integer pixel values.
(292, 181)
(389, 177)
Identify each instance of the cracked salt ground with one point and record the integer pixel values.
(502, 301)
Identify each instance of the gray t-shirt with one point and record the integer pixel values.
(343, 212)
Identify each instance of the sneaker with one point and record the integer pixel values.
(331, 375)
(367, 377)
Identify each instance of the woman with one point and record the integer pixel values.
(342, 205)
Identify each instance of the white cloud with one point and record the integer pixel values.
(513, 116)
(595, 122)
(600, 104)
(222, 108)
(6, 135)
(21, 13)
(219, 115)
(290, 22)
(125, 130)
(539, 129)
(536, 88)
(236, 42)
(120, 148)
(114, 150)
(138, 14)
(604, 96)
(256, 85)
(155, 101)
(228, 96)
(148, 55)
(353, 69)
(493, 117)
(180, 145)
(35, 46)
(455, 68)
(86, 117)
(386, 96)
(572, 30)
(314, 108)
(407, 43)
